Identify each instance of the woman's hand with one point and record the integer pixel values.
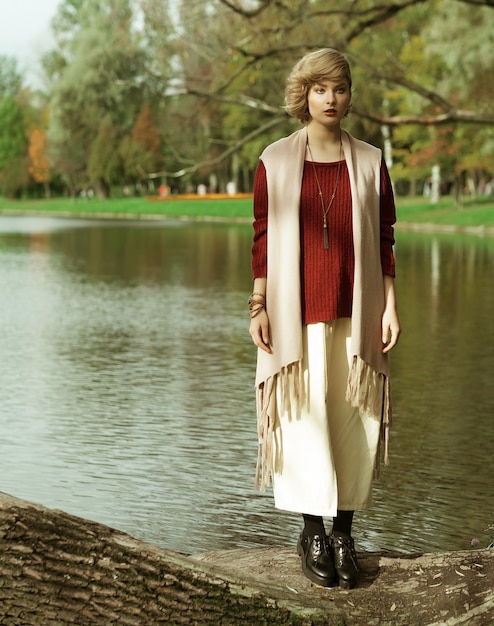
(259, 321)
(259, 331)
(391, 329)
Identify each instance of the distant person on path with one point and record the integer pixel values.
(323, 316)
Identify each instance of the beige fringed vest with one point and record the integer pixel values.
(284, 164)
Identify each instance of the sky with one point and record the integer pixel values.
(25, 33)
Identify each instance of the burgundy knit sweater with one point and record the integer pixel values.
(326, 275)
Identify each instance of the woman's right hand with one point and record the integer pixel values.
(259, 331)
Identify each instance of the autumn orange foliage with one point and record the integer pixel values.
(38, 161)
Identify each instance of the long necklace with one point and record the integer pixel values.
(325, 210)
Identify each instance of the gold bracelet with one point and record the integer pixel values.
(255, 312)
(252, 300)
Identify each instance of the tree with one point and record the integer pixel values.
(145, 133)
(39, 166)
(104, 165)
(213, 75)
(95, 76)
(386, 45)
(13, 148)
(10, 77)
(14, 177)
(12, 131)
(141, 151)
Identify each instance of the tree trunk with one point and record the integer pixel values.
(57, 569)
(103, 190)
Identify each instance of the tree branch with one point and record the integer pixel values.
(452, 116)
(240, 99)
(479, 3)
(219, 159)
(248, 13)
(379, 14)
(394, 79)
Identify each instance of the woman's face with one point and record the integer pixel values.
(328, 101)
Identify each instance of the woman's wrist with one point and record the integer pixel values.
(257, 304)
(256, 297)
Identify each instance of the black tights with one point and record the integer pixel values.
(342, 523)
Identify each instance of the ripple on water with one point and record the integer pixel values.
(127, 388)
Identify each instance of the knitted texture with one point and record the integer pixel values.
(327, 275)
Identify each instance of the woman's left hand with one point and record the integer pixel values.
(391, 328)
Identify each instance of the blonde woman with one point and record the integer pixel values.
(323, 316)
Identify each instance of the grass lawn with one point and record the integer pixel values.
(129, 207)
(444, 213)
(410, 210)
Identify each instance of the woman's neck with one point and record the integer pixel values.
(325, 144)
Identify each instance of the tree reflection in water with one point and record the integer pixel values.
(127, 385)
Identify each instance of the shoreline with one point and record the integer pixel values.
(425, 227)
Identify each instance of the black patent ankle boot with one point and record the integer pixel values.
(317, 559)
(345, 559)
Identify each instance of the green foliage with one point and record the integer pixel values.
(95, 88)
(13, 142)
(181, 85)
(10, 77)
(469, 62)
(14, 177)
(13, 148)
(104, 165)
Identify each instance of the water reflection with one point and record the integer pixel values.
(127, 385)
(440, 484)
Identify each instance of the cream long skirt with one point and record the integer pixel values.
(324, 449)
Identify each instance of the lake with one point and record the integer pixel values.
(127, 385)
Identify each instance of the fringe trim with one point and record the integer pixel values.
(363, 390)
(266, 400)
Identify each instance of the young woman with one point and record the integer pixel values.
(323, 315)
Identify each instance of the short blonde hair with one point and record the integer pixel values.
(324, 64)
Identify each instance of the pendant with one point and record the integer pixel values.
(326, 237)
